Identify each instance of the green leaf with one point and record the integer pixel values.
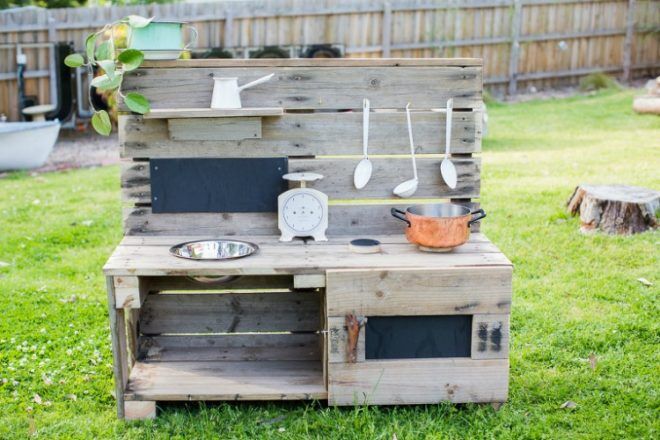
(74, 60)
(102, 82)
(101, 123)
(90, 45)
(131, 59)
(108, 67)
(104, 51)
(137, 103)
(138, 22)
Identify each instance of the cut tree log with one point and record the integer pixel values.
(615, 209)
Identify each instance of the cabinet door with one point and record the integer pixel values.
(418, 336)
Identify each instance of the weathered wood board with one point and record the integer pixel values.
(227, 380)
(230, 313)
(414, 381)
(315, 87)
(232, 347)
(349, 219)
(338, 178)
(407, 292)
(309, 134)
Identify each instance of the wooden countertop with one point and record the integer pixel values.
(149, 256)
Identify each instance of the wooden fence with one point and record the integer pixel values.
(540, 43)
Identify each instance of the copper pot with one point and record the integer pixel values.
(441, 226)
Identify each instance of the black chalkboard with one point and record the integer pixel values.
(407, 337)
(217, 185)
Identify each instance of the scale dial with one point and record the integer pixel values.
(303, 212)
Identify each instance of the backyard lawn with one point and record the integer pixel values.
(583, 328)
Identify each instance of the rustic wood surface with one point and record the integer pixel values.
(139, 410)
(207, 112)
(338, 341)
(274, 259)
(337, 182)
(450, 291)
(310, 134)
(307, 62)
(340, 87)
(615, 209)
(349, 219)
(209, 380)
(220, 129)
(413, 381)
(230, 313)
(177, 284)
(234, 347)
(119, 350)
(490, 336)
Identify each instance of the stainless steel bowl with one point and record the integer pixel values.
(214, 249)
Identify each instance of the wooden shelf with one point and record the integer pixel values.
(225, 380)
(180, 113)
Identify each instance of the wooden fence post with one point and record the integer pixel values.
(628, 41)
(387, 29)
(229, 29)
(514, 54)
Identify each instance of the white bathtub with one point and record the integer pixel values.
(26, 145)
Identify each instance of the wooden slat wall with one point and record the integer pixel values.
(560, 40)
(328, 140)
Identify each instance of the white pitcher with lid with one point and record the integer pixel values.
(227, 92)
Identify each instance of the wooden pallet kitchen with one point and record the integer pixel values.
(425, 327)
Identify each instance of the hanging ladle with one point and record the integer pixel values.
(363, 169)
(408, 188)
(447, 168)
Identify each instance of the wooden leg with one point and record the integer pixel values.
(496, 405)
(118, 333)
(139, 409)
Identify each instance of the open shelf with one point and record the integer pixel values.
(225, 380)
(180, 113)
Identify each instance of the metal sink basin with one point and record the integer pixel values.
(207, 250)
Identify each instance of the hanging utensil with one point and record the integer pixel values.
(447, 168)
(408, 188)
(363, 169)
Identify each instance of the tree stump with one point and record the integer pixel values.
(615, 209)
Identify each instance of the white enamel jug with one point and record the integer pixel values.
(227, 92)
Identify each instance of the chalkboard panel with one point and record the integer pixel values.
(406, 337)
(217, 185)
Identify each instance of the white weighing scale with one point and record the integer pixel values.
(302, 212)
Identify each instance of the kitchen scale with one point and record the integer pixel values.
(302, 212)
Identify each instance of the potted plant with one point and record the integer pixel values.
(115, 64)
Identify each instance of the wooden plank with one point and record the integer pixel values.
(139, 410)
(311, 134)
(338, 340)
(169, 240)
(386, 36)
(355, 219)
(236, 347)
(309, 281)
(628, 41)
(275, 259)
(514, 53)
(315, 62)
(230, 313)
(454, 291)
(166, 284)
(313, 87)
(337, 182)
(206, 112)
(490, 336)
(209, 380)
(118, 337)
(130, 292)
(415, 381)
(214, 129)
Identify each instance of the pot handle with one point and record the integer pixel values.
(398, 214)
(193, 35)
(479, 214)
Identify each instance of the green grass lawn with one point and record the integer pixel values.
(575, 296)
